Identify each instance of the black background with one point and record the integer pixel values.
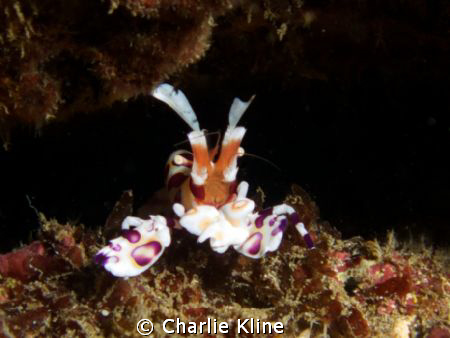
(373, 156)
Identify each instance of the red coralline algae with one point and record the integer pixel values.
(354, 325)
(394, 286)
(439, 332)
(382, 272)
(18, 264)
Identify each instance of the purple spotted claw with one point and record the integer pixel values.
(137, 249)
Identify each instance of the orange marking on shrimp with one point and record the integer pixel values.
(229, 151)
(201, 157)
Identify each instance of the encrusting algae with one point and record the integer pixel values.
(54, 62)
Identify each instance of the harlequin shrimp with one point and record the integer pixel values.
(207, 201)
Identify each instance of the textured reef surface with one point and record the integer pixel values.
(62, 57)
(344, 288)
(70, 56)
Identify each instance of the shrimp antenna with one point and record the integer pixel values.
(263, 159)
(176, 100)
(237, 109)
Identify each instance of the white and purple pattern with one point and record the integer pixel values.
(137, 249)
(253, 234)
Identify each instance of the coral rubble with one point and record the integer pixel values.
(343, 287)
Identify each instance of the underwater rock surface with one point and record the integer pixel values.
(63, 57)
(345, 288)
(60, 57)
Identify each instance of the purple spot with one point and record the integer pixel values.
(253, 244)
(283, 224)
(133, 236)
(309, 241)
(272, 221)
(170, 222)
(294, 218)
(262, 215)
(115, 246)
(197, 190)
(176, 180)
(100, 258)
(280, 228)
(144, 254)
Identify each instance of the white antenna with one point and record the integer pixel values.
(178, 102)
(237, 109)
